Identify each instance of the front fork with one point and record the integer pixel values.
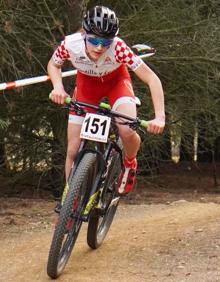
(103, 155)
(98, 187)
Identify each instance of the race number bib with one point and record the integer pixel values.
(95, 127)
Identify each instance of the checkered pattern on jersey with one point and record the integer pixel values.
(124, 54)
(61, 54)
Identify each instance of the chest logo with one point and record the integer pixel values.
(107, 60)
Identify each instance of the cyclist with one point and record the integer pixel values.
(101, 59)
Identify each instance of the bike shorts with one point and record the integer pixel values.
(116, 86)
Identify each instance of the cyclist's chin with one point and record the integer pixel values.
(95, 55)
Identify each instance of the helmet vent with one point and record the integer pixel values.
(101, 21)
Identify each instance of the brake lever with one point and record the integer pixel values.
(142, 130)
(132, 125)
(79, 110)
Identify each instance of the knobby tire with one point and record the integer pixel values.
(63, 241)
(99, 224)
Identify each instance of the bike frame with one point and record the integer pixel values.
(97, 167)
(102, 151)
(102, 154)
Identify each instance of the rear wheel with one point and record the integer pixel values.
(70, 219)
(101, 219)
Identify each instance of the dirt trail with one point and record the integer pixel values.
(176, 242)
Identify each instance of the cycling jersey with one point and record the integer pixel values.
(73, 48)
(116, 86)
(108, 77)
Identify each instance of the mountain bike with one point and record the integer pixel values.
(92, 182)
(93, 178)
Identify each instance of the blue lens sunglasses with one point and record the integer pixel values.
(95, 41)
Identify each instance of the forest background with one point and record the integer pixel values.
(186, 35)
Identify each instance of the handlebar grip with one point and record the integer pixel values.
(105, 106)
(144, 124)
(67, 99)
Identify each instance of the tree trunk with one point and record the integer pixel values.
(74, 9)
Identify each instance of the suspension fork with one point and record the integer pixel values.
(93, 191)
(103, 154)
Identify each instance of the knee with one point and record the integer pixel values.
(72, 148)
(127, 133)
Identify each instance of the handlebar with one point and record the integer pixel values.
(106, 109)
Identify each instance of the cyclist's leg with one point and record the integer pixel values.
(123, 102)
(84, 92)
(73, 143)
(130, 138)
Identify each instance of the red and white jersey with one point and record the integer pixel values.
(73, 48)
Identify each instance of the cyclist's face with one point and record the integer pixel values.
(96, 46)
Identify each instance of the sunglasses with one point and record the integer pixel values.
(95, 41)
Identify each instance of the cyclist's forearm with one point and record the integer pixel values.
(154, 83)
(157, 97)
(55, 74)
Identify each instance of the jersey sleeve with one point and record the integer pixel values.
(61, 54)
(125, 55)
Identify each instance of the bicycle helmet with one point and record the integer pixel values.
(101, 21)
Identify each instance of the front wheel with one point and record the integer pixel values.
(101, 218)
(70, 219)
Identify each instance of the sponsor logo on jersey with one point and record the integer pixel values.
(93, 73)
(107, 60)
(83, 60)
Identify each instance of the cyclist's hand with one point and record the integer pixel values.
(58, 95)
(156, 125)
